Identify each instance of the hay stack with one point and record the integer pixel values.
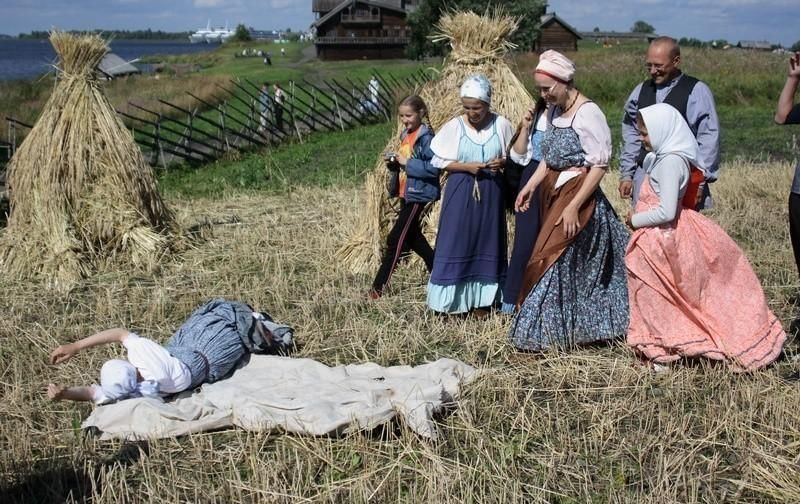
(479, 45)
(81, 192)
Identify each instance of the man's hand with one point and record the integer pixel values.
(701, 193)
(626, 189)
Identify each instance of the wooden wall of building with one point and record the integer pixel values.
(555, 36)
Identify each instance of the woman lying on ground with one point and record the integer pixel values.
(692, 291)
(206, 348)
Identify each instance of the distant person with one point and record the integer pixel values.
(692, 291)
(283, 51)
(374, 88)
(265, 100)
(691, 97)
(279, 97)
(789, 113)
(268, 58)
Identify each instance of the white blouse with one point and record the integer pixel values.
(156, 364)
(590, 124)
(446, 141)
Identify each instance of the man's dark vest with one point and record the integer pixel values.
(678, 97)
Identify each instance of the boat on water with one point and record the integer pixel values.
(210, 35)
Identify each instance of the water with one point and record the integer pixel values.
(28, 59)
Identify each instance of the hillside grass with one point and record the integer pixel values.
(589, 425)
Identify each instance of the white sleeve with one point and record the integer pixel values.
(156, 364)
(505, 130)
(445, 144)
(592, 128)
(670, 176)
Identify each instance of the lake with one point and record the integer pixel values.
(28, 59)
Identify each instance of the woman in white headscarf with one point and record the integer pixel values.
(574, 289)
(692, 291)
(469, 263)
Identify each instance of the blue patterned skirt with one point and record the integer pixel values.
(583, 297)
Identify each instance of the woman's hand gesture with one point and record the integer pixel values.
(63, 353)
(523, 199)
(569, 219)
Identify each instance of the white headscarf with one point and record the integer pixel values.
(118, 380)
(477, 86)
(669, 134)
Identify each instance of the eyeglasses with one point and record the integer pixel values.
(546, 90)
(657, 67)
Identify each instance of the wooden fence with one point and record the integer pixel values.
(241, 117)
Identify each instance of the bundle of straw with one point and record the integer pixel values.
(81, 192)
(479, 44)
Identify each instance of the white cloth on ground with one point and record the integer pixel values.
(297, 395)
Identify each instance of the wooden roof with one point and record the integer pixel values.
(553, 18)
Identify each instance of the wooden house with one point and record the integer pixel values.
(556, 34)
(361, 29)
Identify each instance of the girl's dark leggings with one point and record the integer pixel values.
(405, 236)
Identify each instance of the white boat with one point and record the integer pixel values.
(200, 35)
(219, 35)
(211, 36)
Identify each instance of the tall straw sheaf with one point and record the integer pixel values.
(479, 44)
(81, 192)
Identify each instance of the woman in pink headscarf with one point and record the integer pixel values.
(574, 289)
(692, 290)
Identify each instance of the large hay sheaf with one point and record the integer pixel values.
(479, 44)
(81, 192)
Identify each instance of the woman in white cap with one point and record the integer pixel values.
(574, 288)
(206, 348)
(469, 263)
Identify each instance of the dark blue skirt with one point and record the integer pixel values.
(526, 229)
(471, 242)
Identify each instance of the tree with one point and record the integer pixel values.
(242, 34)
(642, 27)
(796, 46)
(423, 20)
(596, 29)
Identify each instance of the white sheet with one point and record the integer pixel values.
(297, 395)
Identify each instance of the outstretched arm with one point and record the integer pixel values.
(61, 393)
(65, 352)
(785, 102)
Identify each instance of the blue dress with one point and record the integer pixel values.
(583, 296)
(469, 263)
(526, 229)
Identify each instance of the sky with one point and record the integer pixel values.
(733, 20)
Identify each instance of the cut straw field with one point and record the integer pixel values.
(586, 426)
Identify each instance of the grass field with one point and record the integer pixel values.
(584, 426)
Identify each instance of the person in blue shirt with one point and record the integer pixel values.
(690, 96)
